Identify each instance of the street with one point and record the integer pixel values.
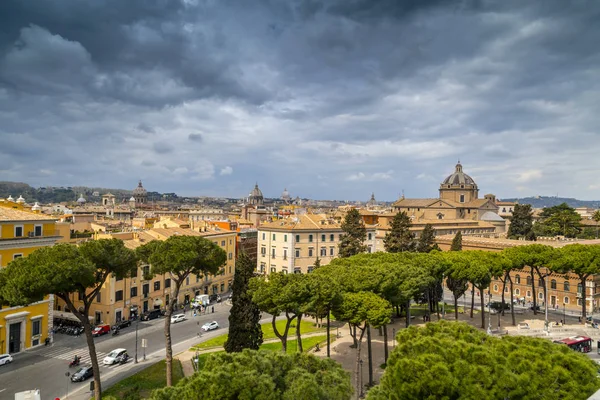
(45, 368)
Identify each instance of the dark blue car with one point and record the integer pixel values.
(82, 374)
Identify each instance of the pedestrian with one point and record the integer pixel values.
(213, 309)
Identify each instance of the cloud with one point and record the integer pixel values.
(371, 96)
(226, 171)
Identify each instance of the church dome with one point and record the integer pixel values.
(459, 177)
(36, 207)
(10, 198)
(20, 200)
(491, 216)
(285, 195)
(139, 190)
(81, 200)
(255, 197)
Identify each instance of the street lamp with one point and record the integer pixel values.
(489, 329)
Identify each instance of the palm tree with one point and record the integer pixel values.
(596, 217)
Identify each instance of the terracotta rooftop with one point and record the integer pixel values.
(303, 222)
(10, 214)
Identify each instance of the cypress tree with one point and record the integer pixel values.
(355, 233)
(426, 241)
(399, 238)
(521, 223)
(244, 318)
(456, 242)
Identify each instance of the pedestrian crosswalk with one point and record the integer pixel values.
(68, 354)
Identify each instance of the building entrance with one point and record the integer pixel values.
(14, 338)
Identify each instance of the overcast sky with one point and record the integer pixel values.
(333, 99)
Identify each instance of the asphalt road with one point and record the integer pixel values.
(45, 368)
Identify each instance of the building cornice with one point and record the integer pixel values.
(28, 242)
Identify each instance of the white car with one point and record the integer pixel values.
(210, 326)
(177, 318)
(111, 357)
(5, 359)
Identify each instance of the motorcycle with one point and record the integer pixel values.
(115, 332)
(75, 362)
(123, 359)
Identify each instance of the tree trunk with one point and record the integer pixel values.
(168, 343)
(482, 308)
(353, 334)
(370, 355)
(328, 335)
(455, 306)
(385, 344)
(472, 299)
(512, 303)
(357, 372)
(408, 313)
(87, 329)
(503, 289)
(282, 337)
(583, 278)
(429, 304)
(533, 292)
(298, 336)
(397, 311)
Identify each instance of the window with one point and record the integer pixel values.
(285, 238)
(297, 238)
(187, 281)
(504, 210)
(567, 286)
(331, 239)
(553, 284)
(222, 243)
(310, 269)
(18, 255)
(119, 295)
(370, 236)
(263, 236)
(495, 288)
(310, 238)
(263, 251)
(230, 256)
(579, 302)
(566, 300)
(19, 231)
(529, 293)
(36, 327)
(297, 253)
(262, 267)
(541, 295)
(167, 299)
(197, 278)
(462, 198)
(331, 251)
(273, 269)
(167, 283)
(38, 230)
(157, 285)
(528, 281)
(273, 237)
(99, 297)
(518, 279)
(579, 288)
(145, 289)
(540, 282)
(273, 253)
(370, 249)
(310, 252)
(222, 287)
(133, 292)
(284, 254)
(323, 251)
(505, 289)
(517, 292)
(322, 238)
(80, 296)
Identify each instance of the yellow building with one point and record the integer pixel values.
(124, 298)
(22, 232)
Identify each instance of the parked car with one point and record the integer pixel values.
(215, 298)
(537, 308)
(122, 324)
(152, 314)
(112, 357)
(5, 359)
(82, 374)
(177, 318)
(209, 326)
(101, 330)
(497, 306)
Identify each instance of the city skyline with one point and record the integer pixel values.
(331, 100)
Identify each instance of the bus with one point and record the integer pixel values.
(582, 344)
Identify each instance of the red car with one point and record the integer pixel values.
(101, 330)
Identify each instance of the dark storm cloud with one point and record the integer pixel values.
(367, 94)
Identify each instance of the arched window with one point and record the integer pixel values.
(495, 288)
(529, 293)
(517, 292)
(505, 289)
(528, 281)
(541, 296)
(567, 286)
(566, 300)
(518, 279)
(540, 283)
(553, 284)
(579, 288)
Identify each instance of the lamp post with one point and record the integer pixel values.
(489, 329)
(137, 323)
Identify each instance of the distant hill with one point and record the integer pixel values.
(550, 201)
